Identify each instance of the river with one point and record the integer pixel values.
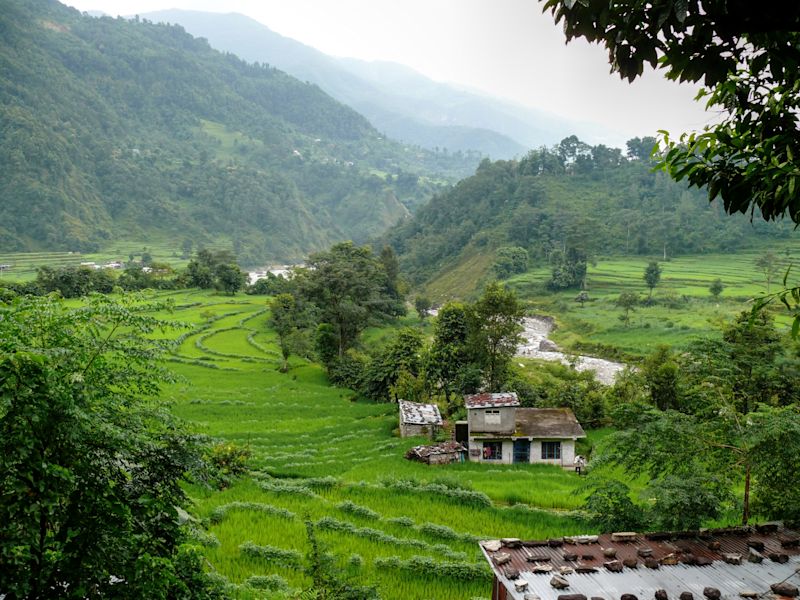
(537, 344)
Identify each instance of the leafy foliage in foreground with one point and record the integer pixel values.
(90, 464)
(723, 415)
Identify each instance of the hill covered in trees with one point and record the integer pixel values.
(396, 99)
(567, 204)
(123, 129)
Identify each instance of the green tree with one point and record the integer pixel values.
(348, 285)
(510, 261)
(768, 264)
(200, 270)
(610, 507)
(401, 355)
(716, 288)
(394, 284)
(652, 275)
(90, 463)
(627, 301)
(640, 148)
(495, 332)
(569, 269)
(694, 461)
(422, 304)
(229, 278)
(661, 375)
(289, 319)
(721, 429)
(449, 355)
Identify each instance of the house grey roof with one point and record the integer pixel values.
(414, 413)
(732, 560)
(547, 423)
(491, 400)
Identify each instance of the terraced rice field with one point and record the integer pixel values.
(23, 265)
(407, 528)
(683, 309)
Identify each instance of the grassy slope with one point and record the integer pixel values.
(684, 283)
(299, 427)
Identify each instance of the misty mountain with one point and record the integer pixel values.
(396, 99)
(125, 129)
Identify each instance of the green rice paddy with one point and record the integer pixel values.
(683, 309)
(409, 529)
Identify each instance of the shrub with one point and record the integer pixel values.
(220, 512)
(425, 565)
(356, 561)
(228, 461)
(273, 583)
(402, 521)
(202, 537)
(279, 556)
(357, 510)
(610, 508)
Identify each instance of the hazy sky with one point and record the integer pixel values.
(506, 48)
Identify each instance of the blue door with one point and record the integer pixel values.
(522, 451)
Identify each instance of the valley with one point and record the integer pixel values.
(593, 344)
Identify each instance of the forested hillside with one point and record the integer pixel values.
(111, 128)
(396, 99)
(571, 202)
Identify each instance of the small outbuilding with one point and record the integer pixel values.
(438, 454)
(419, 419)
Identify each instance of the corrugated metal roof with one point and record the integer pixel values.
(491, 400)
(414, 413)
(587, 552)
(730, 580)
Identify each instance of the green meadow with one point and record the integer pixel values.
(682, 309)
(318, 456)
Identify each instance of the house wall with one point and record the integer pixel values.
(443, 459)
(508, 452)
(409, 430)
(567, 452)
(477, 420)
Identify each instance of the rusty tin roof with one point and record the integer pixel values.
(491, 400)
(414, 413)
(676, 562)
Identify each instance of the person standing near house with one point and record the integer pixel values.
(580, 462)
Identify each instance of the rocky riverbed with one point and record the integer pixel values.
(537, 344)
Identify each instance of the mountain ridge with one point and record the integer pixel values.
(114, 128)
(395, 98)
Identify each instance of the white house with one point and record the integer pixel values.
(500, 431)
